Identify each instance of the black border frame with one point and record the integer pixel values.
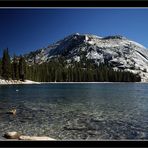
(70, 144)
(72, 4)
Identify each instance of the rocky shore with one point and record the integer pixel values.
(3, 81)
(15, 135)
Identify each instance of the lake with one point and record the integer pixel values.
(86, 111)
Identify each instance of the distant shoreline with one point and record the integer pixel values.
(84, 82)
(15, 82)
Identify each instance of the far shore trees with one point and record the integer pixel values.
(6, 65)
(58, 70)
(22, 68)
(14, 68)
(0, 67)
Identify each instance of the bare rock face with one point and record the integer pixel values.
(34, 138)
(12, 135)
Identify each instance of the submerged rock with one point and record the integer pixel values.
(12, 135)
(38, 138)
(12, 111)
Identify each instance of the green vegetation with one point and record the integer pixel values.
(12, 69)
(60, 71)
(15, 68)
(6, 65)
(22, 68)
(57, 70)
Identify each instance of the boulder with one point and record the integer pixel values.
(12, 135)
(34, 138)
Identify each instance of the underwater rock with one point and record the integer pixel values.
(12, 111)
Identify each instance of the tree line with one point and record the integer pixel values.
(14, 69)
(58, 70)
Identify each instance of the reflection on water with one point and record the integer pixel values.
(77, 111)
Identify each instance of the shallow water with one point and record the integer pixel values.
(110, 111)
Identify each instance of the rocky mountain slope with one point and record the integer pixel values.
(118, 51)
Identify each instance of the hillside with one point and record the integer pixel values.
(119, 52)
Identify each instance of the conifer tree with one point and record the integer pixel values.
(22, 68)
(0, 67)
(6, 65)
(15, 68)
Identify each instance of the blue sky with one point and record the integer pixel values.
(24, 30)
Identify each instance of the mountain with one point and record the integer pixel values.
(118, 51)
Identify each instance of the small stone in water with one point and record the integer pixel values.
(12, 135)
(13, 111)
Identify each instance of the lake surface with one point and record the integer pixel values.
(101, 111)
